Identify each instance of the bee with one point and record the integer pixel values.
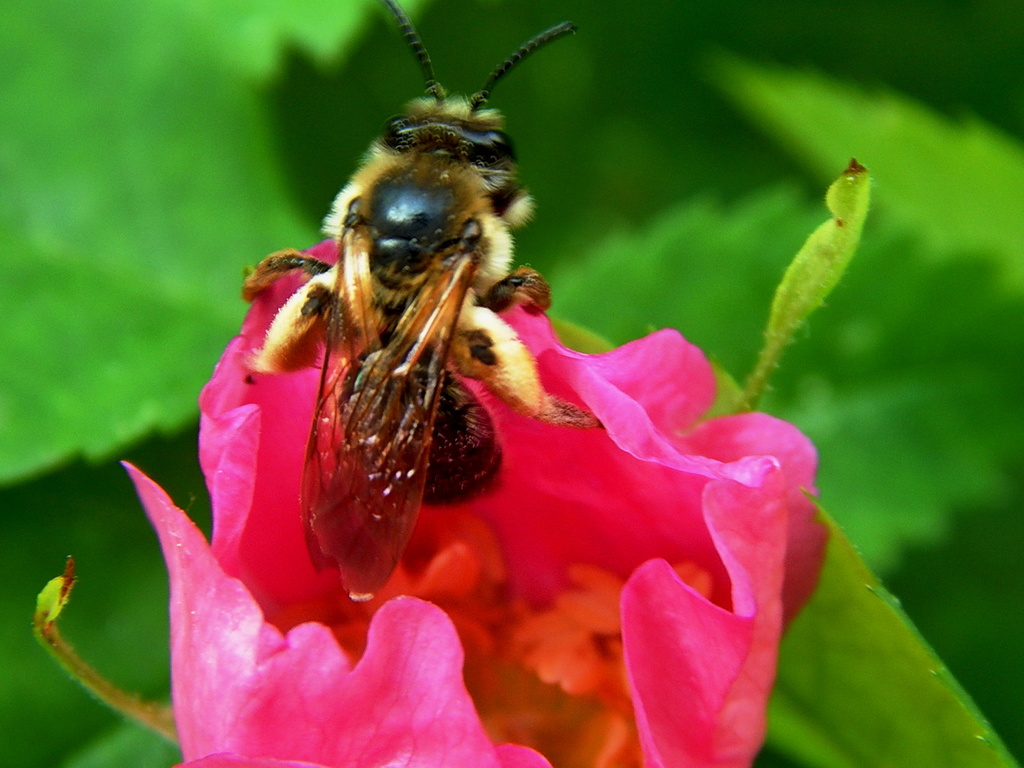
(409, 311)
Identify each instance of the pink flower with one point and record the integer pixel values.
(618, 596)
(246, 694)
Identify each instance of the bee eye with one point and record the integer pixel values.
(491, 148)
(503, 144)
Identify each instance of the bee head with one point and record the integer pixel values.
(453, 133)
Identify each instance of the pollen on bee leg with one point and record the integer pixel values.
(293, 339)
(562, 413)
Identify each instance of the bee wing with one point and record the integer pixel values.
(366, 460)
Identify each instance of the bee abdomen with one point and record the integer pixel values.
(464, 454)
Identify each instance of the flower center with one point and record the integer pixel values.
(549, 677)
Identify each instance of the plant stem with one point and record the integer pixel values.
(155, 716)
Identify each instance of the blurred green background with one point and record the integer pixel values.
(678, 152)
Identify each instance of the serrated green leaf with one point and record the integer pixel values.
(959, 183)
(859, 688)
(253, 36)
(138, 179)
(105, 374)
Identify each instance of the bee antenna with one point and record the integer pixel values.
(545, 37)
(419, 51)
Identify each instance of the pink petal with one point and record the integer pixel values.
(655, 486)
(634, 490)
(510, 755)
(614, 497)
(243, 688)
(257, 533)
(730, 438)
(668, 380)
(515, 756)
(706, 707)
(252, 444)
(226, 760)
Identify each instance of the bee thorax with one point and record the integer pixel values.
(408, 221)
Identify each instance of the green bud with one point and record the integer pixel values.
(813, 273)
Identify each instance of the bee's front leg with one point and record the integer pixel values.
(300, 325)
(524, 287)
(276, 265)
(487, 349)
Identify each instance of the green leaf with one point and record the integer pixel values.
(252, 37)
(907, 386)
(126, 746)
(958, 183)
(138, 179)
(965, 597)
(105, 374)
(579, 338)
(858, 687)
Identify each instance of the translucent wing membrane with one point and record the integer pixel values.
(366, 462)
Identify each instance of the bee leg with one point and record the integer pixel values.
(523, 287)
(487, 349)
(293, 339)
(276, 265)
